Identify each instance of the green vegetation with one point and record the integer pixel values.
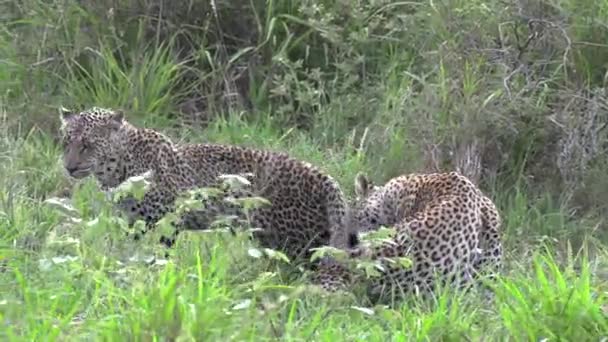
(512, 93)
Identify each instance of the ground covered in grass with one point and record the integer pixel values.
(511, 93)
(69, 272)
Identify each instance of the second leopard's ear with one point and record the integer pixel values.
(65, 114)
(117, 119)
(363, 185)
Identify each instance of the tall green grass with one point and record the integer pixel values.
(384, 88)
(72, 274)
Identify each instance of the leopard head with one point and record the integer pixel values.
(91, 139)
(367, 211)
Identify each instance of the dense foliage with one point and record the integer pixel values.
(512, 93)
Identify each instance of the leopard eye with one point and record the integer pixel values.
(85, 146)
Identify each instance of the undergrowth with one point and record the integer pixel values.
(511, 93)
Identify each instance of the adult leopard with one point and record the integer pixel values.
(307, 208)
(444, 224)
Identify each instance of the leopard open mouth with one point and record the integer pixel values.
(80, 173)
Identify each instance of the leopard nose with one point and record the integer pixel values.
(71, 169)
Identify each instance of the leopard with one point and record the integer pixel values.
(443, 223)
(306, 207)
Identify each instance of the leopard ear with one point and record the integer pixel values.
(362, 185)
(117, 119)
(66, 114)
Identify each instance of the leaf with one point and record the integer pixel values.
(145, 259)
(63, 259)
(239, 53)
(491, 97)
(234, 181)
(382, 233)
(63, 204)
(45, 264)
(321, 252)
(253, 230)
(366, 311)
(248, 202)
(372, 269)
(262, 280)
(205, 193)
(405, 262)
(65, 241)
(254, 253)
(400, 261)
(188, 204)
(161, 262)
(75, 220)
(135, 186)
(167, 220)
(224, 220)
(276, 255)
(244, 304)
(139, 225)
(93, 222)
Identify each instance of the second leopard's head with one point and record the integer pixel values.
(367, 210)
